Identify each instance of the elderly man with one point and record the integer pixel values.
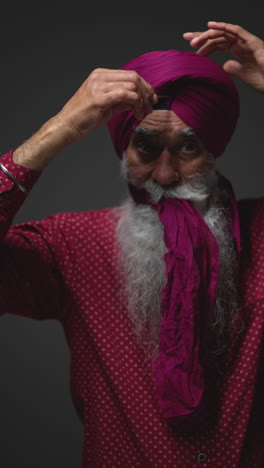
(161, 299)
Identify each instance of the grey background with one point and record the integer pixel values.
(46, 53)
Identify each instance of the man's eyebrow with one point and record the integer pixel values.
(142, 131)
(189, 132)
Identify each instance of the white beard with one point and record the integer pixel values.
(142, 249)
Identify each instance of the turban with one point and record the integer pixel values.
(199, 91)
(205, 98)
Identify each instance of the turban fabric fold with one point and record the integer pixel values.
(205, 98)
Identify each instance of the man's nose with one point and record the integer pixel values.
(165, 171)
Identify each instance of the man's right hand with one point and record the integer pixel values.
(104, 93)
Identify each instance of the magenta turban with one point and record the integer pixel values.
(199, 91)
(205, 98)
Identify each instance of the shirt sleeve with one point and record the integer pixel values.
(30, 281)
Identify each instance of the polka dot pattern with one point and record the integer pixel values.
(21, 174)
(72, 256)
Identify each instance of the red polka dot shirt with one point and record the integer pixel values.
(64, 268)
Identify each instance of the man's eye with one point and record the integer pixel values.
(189, 146)
(145, 148)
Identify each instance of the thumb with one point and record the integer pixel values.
(233, 68)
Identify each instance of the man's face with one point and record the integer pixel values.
(165, 150)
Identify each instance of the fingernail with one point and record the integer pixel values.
(155, 98)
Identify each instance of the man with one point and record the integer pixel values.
(161, 299)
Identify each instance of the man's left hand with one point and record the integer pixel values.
(247, 48)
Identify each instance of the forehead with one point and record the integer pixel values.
(163, 121)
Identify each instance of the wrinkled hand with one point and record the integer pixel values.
(104, 93)
(247, 48)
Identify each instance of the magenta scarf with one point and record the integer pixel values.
(192, 261)
(187, 301)
(204, 96)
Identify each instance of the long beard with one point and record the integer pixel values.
(142, 249)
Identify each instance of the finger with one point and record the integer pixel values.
(210, 35)
(233, 68)
(219, 44)
(144, 89)
(121, 100)
(190, 35)
(126, 87)
(234, 29)
(146, 92)
(114, 85)
(104, 75)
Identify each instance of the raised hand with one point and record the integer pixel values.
(245, 47)
(104, 93)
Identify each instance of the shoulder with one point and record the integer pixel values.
(251, 205)
(83, 221)
(251, 212)
(64, 227)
